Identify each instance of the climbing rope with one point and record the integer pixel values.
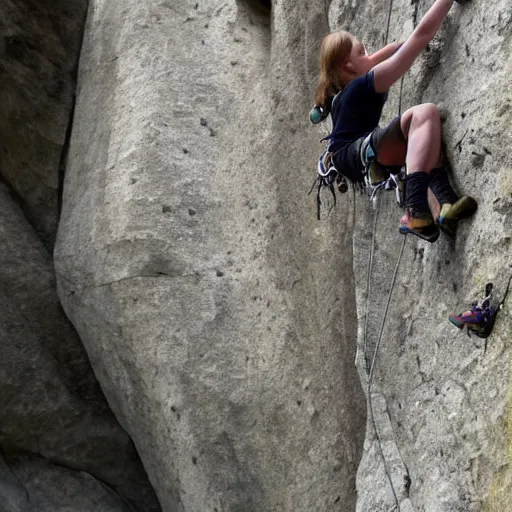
(389, 21)
(376, 350)
(370, 371)
(368, 285)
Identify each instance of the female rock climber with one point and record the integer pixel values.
(353, 87)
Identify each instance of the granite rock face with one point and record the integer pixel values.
(222, 319)
(217, 313)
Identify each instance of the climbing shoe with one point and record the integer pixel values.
(480, 318)
(450, 214)
(420, 224)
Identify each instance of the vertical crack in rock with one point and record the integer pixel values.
(61, 446)
(38, 56)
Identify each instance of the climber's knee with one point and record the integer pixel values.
(426, 112)
(419, 114)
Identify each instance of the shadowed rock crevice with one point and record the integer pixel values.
(51, 404)
(261, 6)
(56, 428)
(38, 60)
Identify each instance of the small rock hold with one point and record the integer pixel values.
(133, 181)
(203, 121)
(185, 150)
(191, 212)
(166, 208)
(220, 273)
(194, 460)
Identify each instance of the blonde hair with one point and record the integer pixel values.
(335, 49)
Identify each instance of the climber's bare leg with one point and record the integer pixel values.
(421, 126)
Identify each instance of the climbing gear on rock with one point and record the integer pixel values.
(374, 173)
(318, 114)
(327, 177)
(451, 214)
(480, 318)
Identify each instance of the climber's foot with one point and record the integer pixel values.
(450, 214)
(420, 224)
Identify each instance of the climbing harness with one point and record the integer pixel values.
(376, 177)
(327, 177)
(380, 177)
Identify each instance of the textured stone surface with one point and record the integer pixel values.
(38, 55)
(220, 317)
(51, 405)
(215, 309)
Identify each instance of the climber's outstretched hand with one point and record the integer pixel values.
(389, 71)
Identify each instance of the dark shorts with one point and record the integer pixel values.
(387, 140)
(389, 144)
(390, 135)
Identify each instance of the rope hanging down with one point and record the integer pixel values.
(368, 289)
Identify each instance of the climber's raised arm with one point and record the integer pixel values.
(384, 53)
(392, 69)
